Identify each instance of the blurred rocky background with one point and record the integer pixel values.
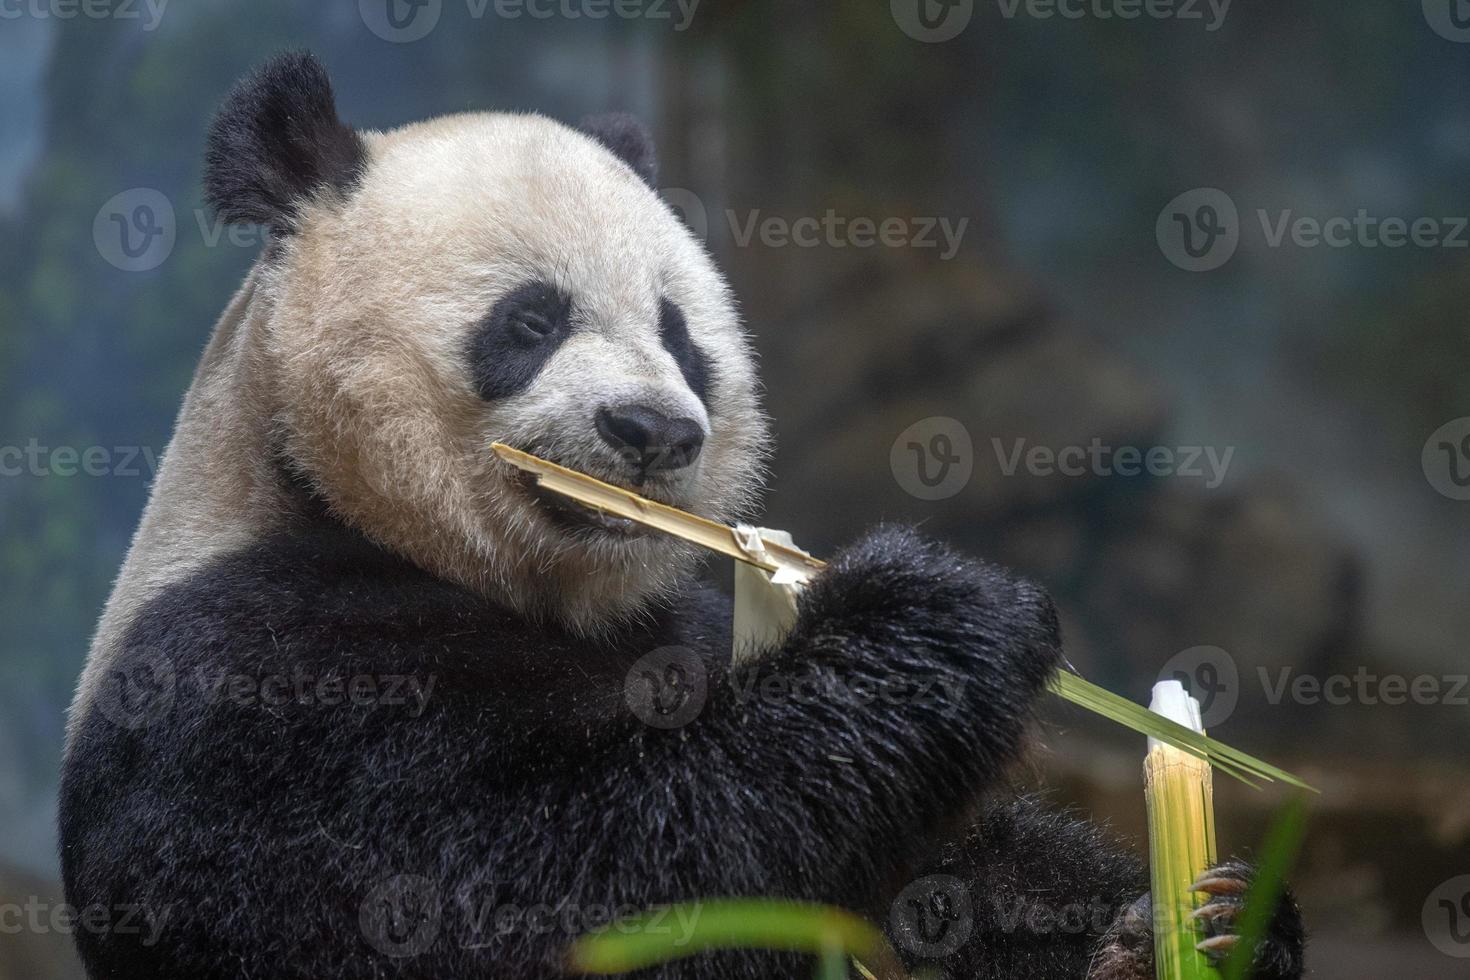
(1023, 310)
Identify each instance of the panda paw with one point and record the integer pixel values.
(908, 593)
(1128, 950)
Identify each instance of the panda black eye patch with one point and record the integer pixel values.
(508, 347)
(674, 333)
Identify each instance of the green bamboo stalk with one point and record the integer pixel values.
(1180, 796)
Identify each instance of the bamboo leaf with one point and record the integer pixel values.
(1233, 762)
(1278, 855)
(648, 939)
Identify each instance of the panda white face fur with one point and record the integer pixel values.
(486, 277)
(428, 291)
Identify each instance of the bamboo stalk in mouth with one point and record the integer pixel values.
(800, 567)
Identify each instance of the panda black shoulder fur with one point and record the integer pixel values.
(356, 707)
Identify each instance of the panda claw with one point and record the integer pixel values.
(1215, 885)
(1217, 947)
(1216, 911)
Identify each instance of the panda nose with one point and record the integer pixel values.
(648, 440)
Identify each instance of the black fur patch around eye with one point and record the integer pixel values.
(674, 333)
(509, 346)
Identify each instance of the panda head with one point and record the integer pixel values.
(480, 278)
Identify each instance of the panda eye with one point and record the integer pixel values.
(532, 325)
(510, 343)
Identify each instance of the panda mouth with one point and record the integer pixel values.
(569, 515)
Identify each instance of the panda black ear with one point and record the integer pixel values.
(628, 139)
(277, 140)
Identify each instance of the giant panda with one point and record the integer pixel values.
(364, 703)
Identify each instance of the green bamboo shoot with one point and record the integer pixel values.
(1180, 796)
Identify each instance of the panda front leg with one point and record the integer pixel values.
(902, 692)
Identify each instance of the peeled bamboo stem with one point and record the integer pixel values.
(1180, 796)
